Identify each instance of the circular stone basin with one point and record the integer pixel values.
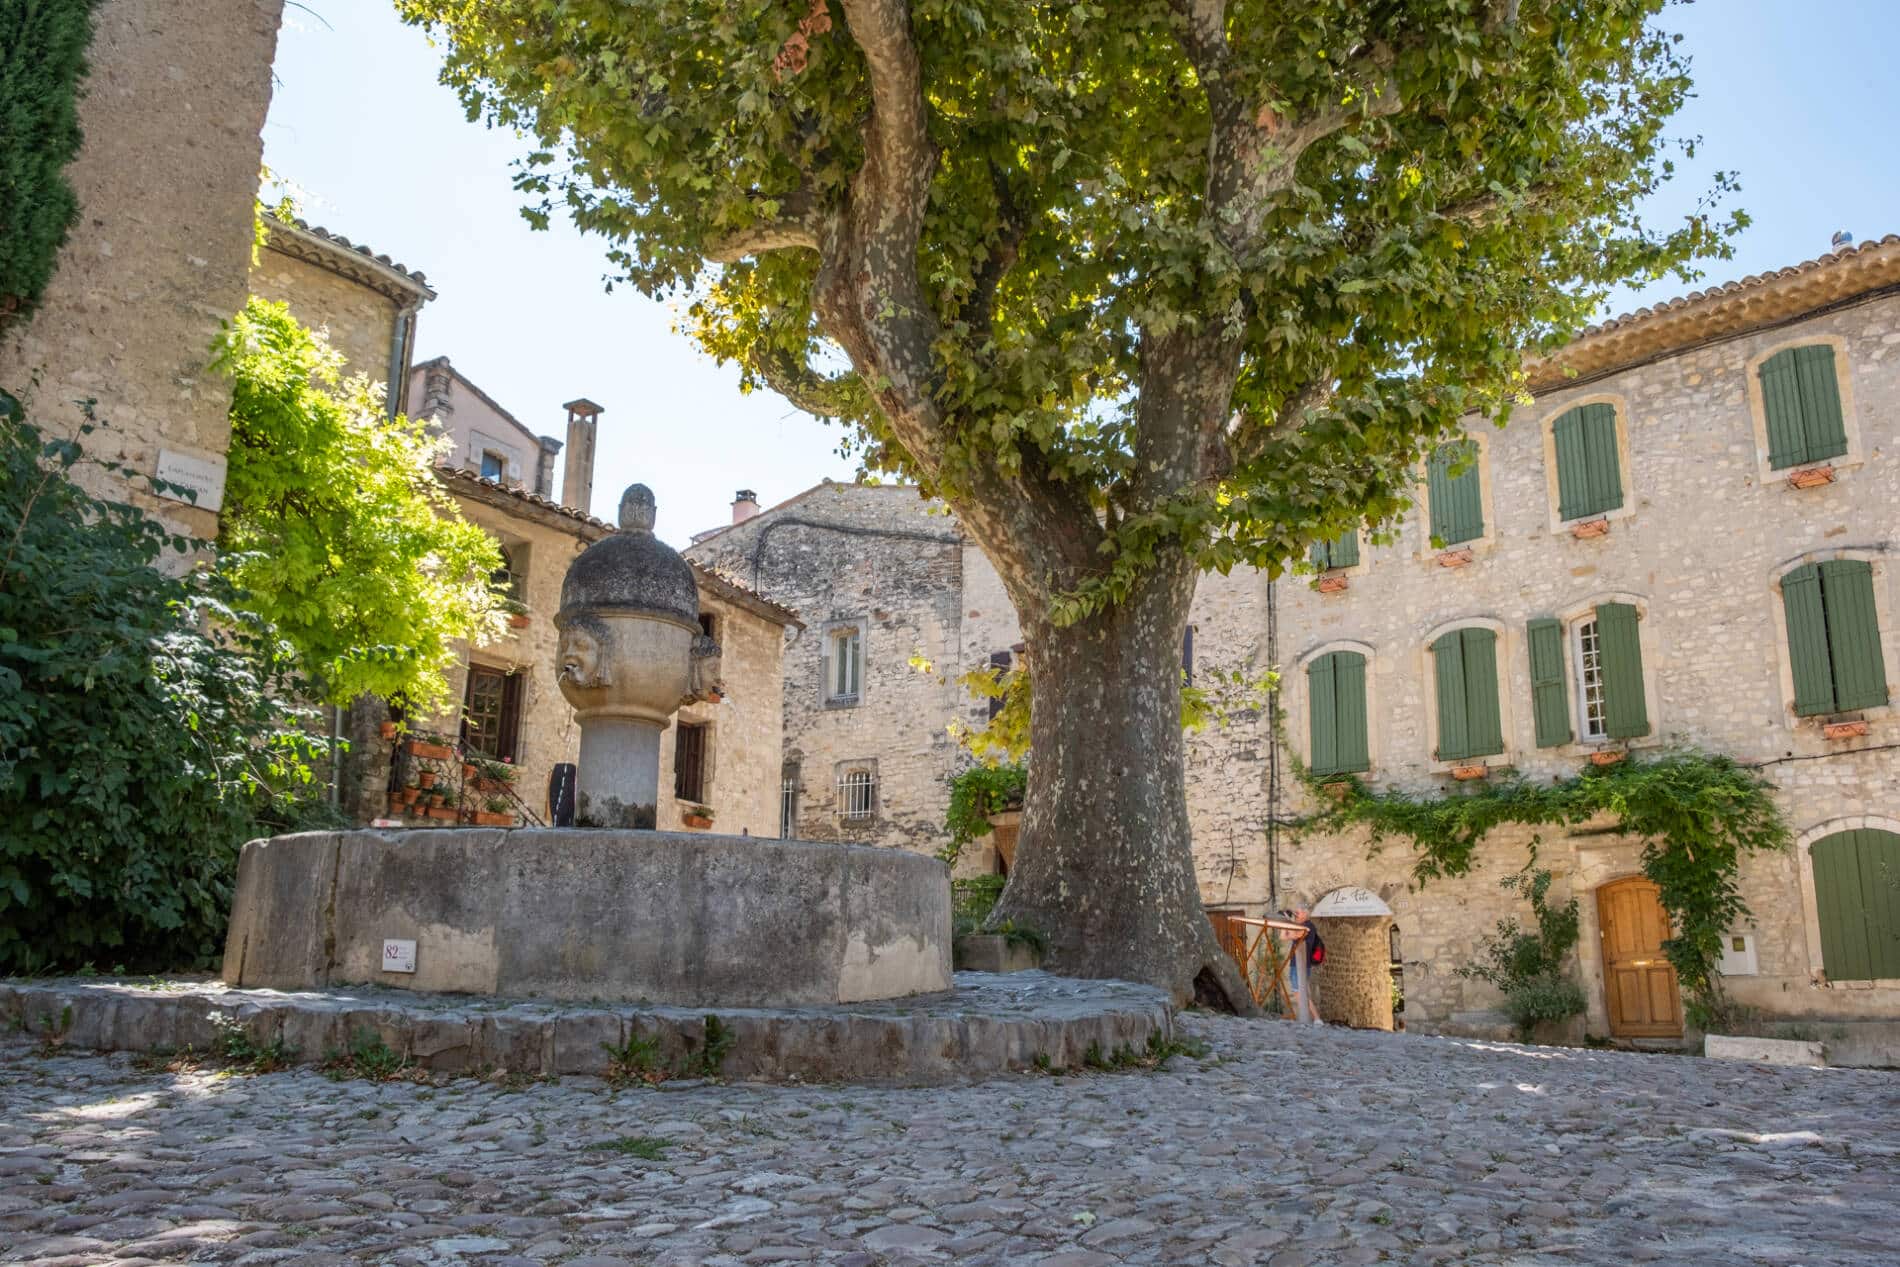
(660, 917)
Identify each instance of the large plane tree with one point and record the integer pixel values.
(1140, 288)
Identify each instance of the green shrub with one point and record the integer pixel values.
(1528, 967)
(42, 61)
(142, 740)
(976, 794)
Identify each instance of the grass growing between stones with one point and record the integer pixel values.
(645, 1147)
(234, 1050)
(639, 1062)
(370, 1058)
(1159, 1049)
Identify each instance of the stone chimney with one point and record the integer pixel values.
(577, 486)
(544, 466)
(745, 504)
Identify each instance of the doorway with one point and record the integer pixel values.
(1638, 982)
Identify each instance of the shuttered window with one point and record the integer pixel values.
(1336, 693)
(1550, 705)
(1833, 637)
(1858, 904)
(689, 762)
(1457, 509)
(1610, 703)
(1465, 663)
(1589, 478)
(1340, 553)
(1801, 401)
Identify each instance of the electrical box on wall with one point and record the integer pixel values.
(1738, 956)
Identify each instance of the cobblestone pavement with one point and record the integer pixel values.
(1285, 1146)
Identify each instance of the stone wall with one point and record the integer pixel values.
(1707, 530)
(359, 323)
(166, 181)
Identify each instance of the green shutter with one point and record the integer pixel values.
(1343, 552)
(1481, 692)
(1448, 660)
(1808, 656)
(1349, 685)
(1550, 702)
(1853, 634)
(1858, 904)
(1589, 474)
(1323, 718)
(1457, 506)
(1801, 401)
(1625, 714)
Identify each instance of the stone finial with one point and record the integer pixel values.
(636, 509)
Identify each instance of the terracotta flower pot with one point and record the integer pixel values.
(425, 779)
(388, 730)
(1332, 584)
(1605, 757)
(443, 815)
(518, 620)
(431, 751)
(409, 795)
(491, 818)
(697, 821)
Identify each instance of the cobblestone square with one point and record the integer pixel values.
(1283, 1146)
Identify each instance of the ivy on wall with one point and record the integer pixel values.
(42, 61)
(1695, 814)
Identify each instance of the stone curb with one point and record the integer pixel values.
(988, 1025)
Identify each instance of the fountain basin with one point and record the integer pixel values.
(681, 918)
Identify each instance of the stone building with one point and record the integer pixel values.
(1616, 570)
(172, 111)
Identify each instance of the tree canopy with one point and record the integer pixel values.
(982, 231)
(335, 528)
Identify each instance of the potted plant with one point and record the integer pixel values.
(389, 729)
(430, 746)
(425, 778)
(409, 794)
(517, 612)
(498, 813)
(698, 816)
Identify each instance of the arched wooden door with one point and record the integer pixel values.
(1638, 982)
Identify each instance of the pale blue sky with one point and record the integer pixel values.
(1798, 97)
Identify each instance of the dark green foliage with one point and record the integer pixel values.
(370, 1058)
(977, 793)
(42, 61)
(1527, 966)
(1695, 815)
(138, 748)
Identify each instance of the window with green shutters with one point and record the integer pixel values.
(1609, 652)
(1340, 553)
(1589, 475)
(1454, 493)
(1801, 402)
(1833, 637)
(1465, 664)
(1858, 904)
(1336, 699)
(1550, 704)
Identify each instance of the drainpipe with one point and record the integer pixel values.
(401, 339)
(1273, 753)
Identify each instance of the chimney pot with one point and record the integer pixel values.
(1841, 241)
(577, 484)
(745, 504)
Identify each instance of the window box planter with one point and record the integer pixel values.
(1606, 756)
(1844, 729)
(488, 818)
(443, 814)
(1332, 583)
(1464, 773)
(1454, 558)
(1338, 789)
(1812, 476)
(1590, 528)
(428, 751)
(518, 620)
(698, 817)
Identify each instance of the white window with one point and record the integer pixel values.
(857, 795)
(1590, 681)
(847, 663)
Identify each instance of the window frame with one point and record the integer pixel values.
(501, 465)
(1881, 715)
(1484, 541)
(1502, 648)
(703, 793)
(851, 775)
(1300, 728)
(1626, 469)
(1853, 459)
(507, 715)
(830, 635)
(1570, 618)
(1810, 904)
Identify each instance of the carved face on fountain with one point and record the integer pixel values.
(584, 654)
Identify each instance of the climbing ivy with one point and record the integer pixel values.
(975, 794)
(42, 61)
(1695, 814)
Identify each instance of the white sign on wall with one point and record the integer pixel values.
(202, 475)
(399, 956)
(1350, 901)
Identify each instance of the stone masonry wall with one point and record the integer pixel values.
(744, 754)
(166, 180)
(1706, 532)
(359, 322)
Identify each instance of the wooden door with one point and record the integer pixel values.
(1638, 982)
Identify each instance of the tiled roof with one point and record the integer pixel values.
(1722, 311)
(462, 475)
(314, 243)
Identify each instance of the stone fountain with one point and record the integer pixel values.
(609, 909)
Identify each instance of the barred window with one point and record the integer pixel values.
(857, 795)
(788, 804)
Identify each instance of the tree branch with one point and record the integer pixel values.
(822, 395)
(797, 224)
(979, 308)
